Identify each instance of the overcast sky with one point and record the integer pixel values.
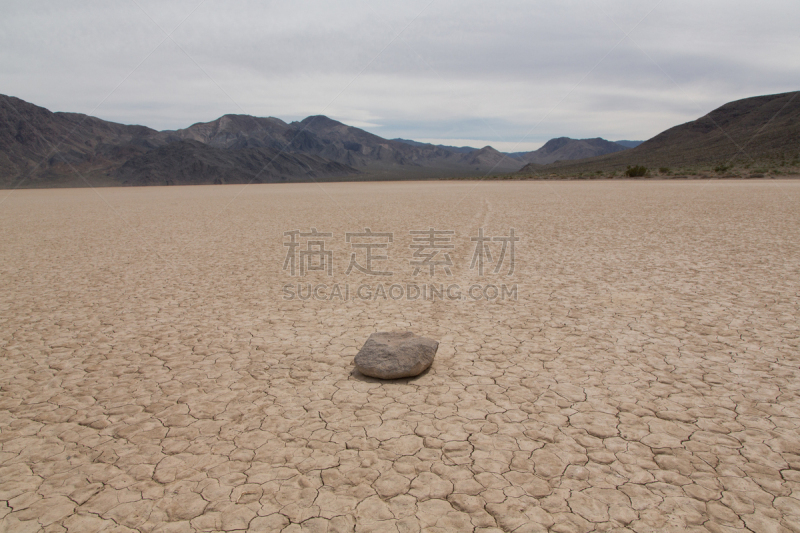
(512, 74)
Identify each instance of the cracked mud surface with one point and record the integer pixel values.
(152, 377)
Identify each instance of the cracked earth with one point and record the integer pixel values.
(153, 377)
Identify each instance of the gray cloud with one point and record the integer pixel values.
(493, 72)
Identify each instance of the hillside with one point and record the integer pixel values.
(459, 149)
(194, 163)
(47, 148)
(629, 144)
(489, 157)
(756, 130)
(39, 148)
(566, 149)
(328, 139)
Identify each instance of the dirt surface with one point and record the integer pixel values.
(155, 376)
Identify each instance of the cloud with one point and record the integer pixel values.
(502, 72)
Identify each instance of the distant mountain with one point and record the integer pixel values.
(566, 149)
(562, 148)
(356, 147)
(39, 148)
(577, 149)
(192, 163)
(752, 129)
(459, 149)
(44, 147)
(629, 144)
(318, 135)
(489, 157)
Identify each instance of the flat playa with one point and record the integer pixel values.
(156, 376)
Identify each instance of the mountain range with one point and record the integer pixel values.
(565, 149)
(39, 148)
(761, 130)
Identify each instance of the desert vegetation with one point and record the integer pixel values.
(636, 171)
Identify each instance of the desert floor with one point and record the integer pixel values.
(156, 376)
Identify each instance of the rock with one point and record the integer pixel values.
(399, 354)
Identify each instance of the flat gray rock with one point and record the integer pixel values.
(393, 355)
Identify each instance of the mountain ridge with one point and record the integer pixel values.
(565, 148)
(758, 128)
(40, 148)
(459, 149)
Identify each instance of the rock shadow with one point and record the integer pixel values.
(355, 374)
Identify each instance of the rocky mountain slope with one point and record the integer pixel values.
(39, 148)
(566, 149)
(334, 141)
(459, 149)
(629, 144)
(48, 149)
(192, 163)
(747, 131)
(489, 157)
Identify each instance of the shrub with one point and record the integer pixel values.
(663, 170)
(722, 167)
(636, 171)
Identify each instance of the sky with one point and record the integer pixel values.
(510, 74)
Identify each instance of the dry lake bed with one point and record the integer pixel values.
(613, 356)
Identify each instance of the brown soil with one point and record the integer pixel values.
(154, 378)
